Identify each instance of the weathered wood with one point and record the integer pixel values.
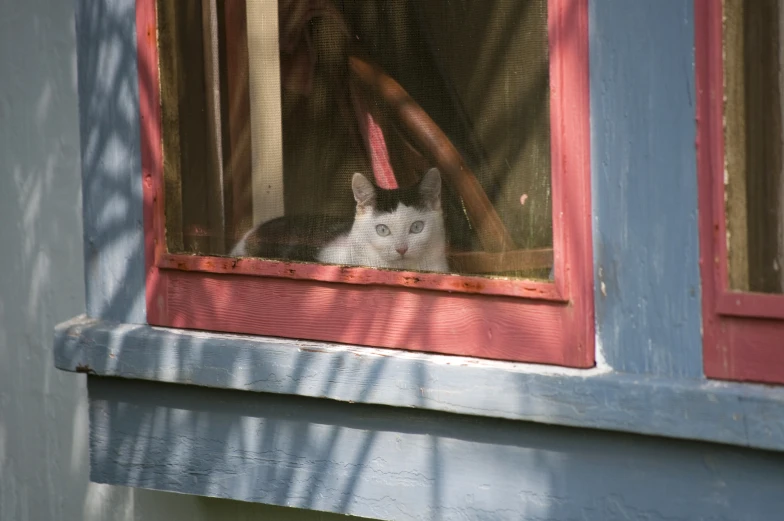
(484, 326)
(470, 284)
(110, 137)
(644, 193)
(740, 414)
(738, 345)
(398, 464)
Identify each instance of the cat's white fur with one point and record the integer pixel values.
(363, 246)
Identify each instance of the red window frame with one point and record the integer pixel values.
(531, 321)
(743, 333)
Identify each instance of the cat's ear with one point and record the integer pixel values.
(364, 191)
(430, 187)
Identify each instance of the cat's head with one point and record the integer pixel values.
(403, 224)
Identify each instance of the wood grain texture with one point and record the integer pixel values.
(134, 442)
(571, 156)
(646, 255)
(110, 134)
(747, 350)
(754, 305)
(721, 412)
(530, 289)
(397, 464)
(401, 317)
(150, 117)
(738, 345)
(485, 326)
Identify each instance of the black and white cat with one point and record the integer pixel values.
(402, 228)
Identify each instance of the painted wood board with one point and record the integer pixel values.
(397, 464)
(740, 414)
(644, 187)
(738, 343)
(485, 327)
(110, 137)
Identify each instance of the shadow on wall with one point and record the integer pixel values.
(43, 412)
(243, 435)
(110, 148)
(43, 415)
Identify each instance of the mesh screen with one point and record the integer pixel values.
(308, 93)
(753, 113)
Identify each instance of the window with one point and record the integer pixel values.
(397, 174)
(739, 57)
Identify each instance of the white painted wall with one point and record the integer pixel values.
(43, 417)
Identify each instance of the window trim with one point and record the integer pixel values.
(742, 331)
(553, 325)
(635, 388)
(741, 414)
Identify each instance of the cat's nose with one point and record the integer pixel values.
(401, 250)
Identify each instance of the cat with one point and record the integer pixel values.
(401, 228)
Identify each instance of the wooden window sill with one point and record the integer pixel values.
(741, 414)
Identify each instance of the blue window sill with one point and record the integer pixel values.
(747, 415)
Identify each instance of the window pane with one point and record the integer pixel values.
(390, 134)
(753, 144)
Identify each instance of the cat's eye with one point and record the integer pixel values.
(417, 227)
(382, 230)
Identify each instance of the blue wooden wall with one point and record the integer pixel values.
(376, 460)
(405, 464)
(111, 159)
(644, 193)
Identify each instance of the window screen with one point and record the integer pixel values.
(753, 144)
(390, 134)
